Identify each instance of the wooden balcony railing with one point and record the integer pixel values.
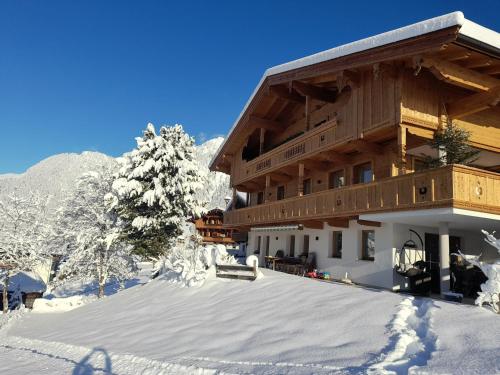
(450, 186)
(308, 144)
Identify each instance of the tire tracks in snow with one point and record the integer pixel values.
(412, 341)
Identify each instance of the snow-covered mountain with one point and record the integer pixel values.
(56, 176)
(217, 186)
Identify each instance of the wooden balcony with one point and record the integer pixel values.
(450, 186)
(311, 143)
(217, 239)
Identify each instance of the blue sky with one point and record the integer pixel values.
(89, 75)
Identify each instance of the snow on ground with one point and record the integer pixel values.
(279, 324)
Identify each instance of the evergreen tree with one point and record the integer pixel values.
(452, 147)
(91, 230)
(154, 191)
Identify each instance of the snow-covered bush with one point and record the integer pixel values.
(190, 263)
(24, 231)
(154, 190)
(490, 290)
(92, 231)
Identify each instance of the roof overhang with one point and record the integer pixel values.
(402, 42)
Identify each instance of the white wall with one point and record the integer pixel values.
(376, 273)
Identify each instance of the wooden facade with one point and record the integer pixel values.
(210, 228)
(335, 139)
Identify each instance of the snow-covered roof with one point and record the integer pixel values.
(468, 29)
(27, 282)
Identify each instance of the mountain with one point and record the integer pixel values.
(216, 189)
(56, 176)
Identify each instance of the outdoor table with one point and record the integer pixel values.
(273, 260)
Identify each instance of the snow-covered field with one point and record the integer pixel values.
(278, 324)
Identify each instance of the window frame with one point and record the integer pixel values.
(278, 197)
(355, 175)
(335, 252)
(308, 182)
(260, 197)
(364, 243)
(331, 173)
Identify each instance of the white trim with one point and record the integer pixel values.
(279, 228)
(392, 216)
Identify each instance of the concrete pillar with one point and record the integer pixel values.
(444, 257)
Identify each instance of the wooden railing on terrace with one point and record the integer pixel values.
(308, 144)
(450, 186)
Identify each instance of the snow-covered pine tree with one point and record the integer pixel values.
(452, 145)
(154, 192)
(96, 251)
(24, 232)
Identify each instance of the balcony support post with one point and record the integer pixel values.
(402, 150)
(444, 257)
(235, 197)
(261, 140)
(308, 113)
(266, 189)
(300, 187)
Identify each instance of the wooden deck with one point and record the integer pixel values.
(450, 186)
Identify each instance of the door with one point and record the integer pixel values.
(432, 258)
(292, 246)
(306, 245)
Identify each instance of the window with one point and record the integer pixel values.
(336, 179)
(268, 239)
(292, 246)
(280, 193)
(419, 165)
(363, 173)
(336, 244)
(368, 245)
(259, 240)
(305, 248)
(306, 186)
(260, 197)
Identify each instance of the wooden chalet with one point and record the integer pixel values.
(210, 228)
(329, 149)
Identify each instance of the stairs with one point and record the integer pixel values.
(236, 272)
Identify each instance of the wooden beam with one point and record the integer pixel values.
(494, 69)
(316, 164)
(336, 157)
(370, 223)
(473, 103)
(339, 223)
(312, 224)
(315, 92)
(458, 75)
(477, 62)
(284, 93)
(279, 177)
(263, 123)
(364, 146)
